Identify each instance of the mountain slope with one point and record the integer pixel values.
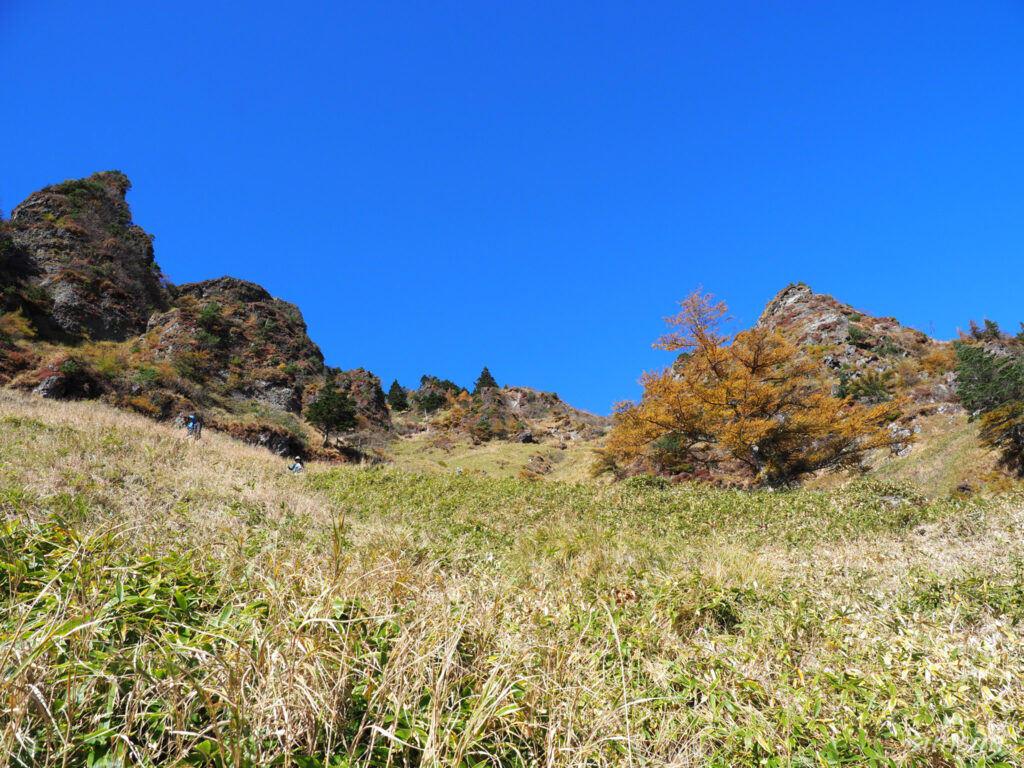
(873, 357)
(86, 313)
(375, 618)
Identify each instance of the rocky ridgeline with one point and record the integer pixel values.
(852, 345)
(512, 413)
(76, 272)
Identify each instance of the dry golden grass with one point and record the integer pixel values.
(172, 603)
(15, 326)
(498, 458)
(946, 454)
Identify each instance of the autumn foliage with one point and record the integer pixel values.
(748, 403)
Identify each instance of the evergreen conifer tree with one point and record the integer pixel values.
(984, 381)
(397, 398)
(992, 386)
(485, 380)
(333, 411)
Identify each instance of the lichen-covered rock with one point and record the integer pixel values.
(53, 386)
(82, 252)
(851, 344)
(813, 318)
(365, 390)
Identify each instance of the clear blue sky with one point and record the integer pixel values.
(532, 186)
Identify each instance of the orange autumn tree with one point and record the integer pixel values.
(750, 400)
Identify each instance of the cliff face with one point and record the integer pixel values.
(76, 272)
(15, 267)
(80, 257)
(235, 336)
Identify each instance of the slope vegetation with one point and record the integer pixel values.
(175, 603)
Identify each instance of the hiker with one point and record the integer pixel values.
(296, 466)
(194, 426)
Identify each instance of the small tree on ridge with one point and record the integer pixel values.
(485, 380)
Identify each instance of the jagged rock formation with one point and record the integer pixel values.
(76, 271)
(234, 333)
(365, 390)
(516, 414)
(76, 250)
(852, 345)
(813, 318)
(251, 351)
(854, 338)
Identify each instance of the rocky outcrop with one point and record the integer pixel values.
(842, 337)
(74, 268)
(233, 289)
(274, 438)
(365, 390)
(81, 254)
(251, 323)
(238, 339)
(516, 414)
(809, 317)
(851, 344)
(67, 379)
(535, 405)
(250, 346)
(525, 436)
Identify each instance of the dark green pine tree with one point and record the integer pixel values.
(984, 381)
(333, 411)
(485, 380)
(397, 398)
(992, 386)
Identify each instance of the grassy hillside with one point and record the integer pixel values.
(947, 453)
(440, 452)
(171, 603)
